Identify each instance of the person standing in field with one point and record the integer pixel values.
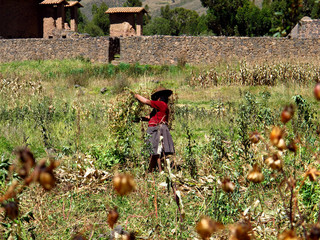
(160, 137)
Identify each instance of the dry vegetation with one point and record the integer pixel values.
(246, 163)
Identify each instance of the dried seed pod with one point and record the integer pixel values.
(11, 210)
(44, 174)
(128, 236)
(113, 217)
(287, 113)
(47, 180)
(288, 235)
(27, 159)
(268, 161)
(78, 237)
(227, 185)
(276, 165)
(281, 144)
(254, 137)
(292, 146)
(23, 172)
(124, 184)
(206, 227)
(274, 162)
(240, 232)
(314, 232)
(255, 175)
(26, 156)
(316, 91)
(312, 174)
(275, 135)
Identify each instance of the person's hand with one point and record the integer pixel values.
(136, 119)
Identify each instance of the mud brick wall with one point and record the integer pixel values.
(95, 49)
(204, 50)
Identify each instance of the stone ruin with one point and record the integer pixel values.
(306, 28)
(126, 21)
(38, 18)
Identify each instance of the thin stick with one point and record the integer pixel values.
(155, 197)
(291, 207)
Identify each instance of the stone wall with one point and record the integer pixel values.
(159, 49)
(95, 49)
(197, 50)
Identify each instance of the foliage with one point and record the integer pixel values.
(94, 137)
(100, 24)
(100, 18)
(133, 3)
(177, 21)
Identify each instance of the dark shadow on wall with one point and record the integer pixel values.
(114, 48)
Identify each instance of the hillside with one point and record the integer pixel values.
(153, 5)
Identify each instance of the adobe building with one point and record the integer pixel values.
(306, 28)
(126, 21)
(36, 18)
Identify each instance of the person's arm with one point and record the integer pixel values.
(146, 118)
(143, 99)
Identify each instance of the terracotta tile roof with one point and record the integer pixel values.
(73, 3)
(126, 10)
(54, 2)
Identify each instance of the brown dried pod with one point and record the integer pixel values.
(78, 237)
(316, 91)
(254, 137)
(268, 161)
(227, 185)
(275, 135)
(23, 172)
(287, 114)
(281, 144)
(288, 235)
(240, 232)
(312, 174)
(113, 216)
(255, 175)
(274, 162)
(47, 180)
(26, 156)
(276, 165)
(44, 174)
(292, 146)
(27, 159)
(128, 236)
(124, 184)
(206, 227)
(314, 232)
(11, 210)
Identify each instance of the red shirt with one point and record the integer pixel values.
(160, 113)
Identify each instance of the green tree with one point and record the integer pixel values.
(93, 30)
(252, 21)
(158, 26)
(100, 18)
(222, 15)
(82, 21)
(286, 14)
(133, 3)
(177, 21)
(184, 21)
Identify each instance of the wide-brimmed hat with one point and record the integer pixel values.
(160, 91)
